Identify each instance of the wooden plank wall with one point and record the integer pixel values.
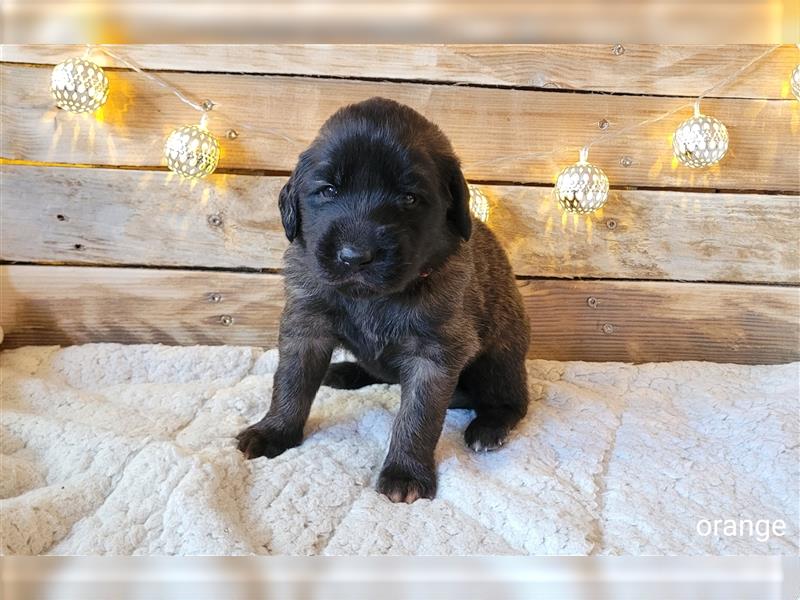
(101, 243)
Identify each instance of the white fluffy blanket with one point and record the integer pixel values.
(110, 449)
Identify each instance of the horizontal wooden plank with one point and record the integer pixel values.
(570, 320)
(641, 321)
(501, 134)
(113, 216)
(664, 70)
(76, 305)
(118, 217)
(639, 234)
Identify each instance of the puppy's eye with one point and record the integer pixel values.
(328, 192)
(409, 199)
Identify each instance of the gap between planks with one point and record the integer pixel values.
(474, 181)
(279, 271)
(409, 80)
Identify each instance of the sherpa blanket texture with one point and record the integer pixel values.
(113, 449)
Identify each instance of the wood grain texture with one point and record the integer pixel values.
(664, 70)
(625, 321)
(112, 216)
(500, 134)
(663, 321)
(77, 305)
(639, 234)
(116, 217)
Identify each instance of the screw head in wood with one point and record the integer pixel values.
(611, 224)
(592, 301)
(603, 124)
(618, 50)
(626, 161)
(608, 328)
(226, 320)
(231, 134)
(215, 220)
(215, 297)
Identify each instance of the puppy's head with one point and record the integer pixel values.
(377, 201)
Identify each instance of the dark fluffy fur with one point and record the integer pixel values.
(423, 294)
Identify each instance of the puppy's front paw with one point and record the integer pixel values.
(401, 484)
(263, 440)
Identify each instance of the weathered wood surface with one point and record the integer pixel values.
(500, 134)
(112, 216)
(663, 321)
(570, 320)
(276, 97)
(116, 217)
(664, 70)
(76, 305)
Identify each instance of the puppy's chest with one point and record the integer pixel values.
(370, 330)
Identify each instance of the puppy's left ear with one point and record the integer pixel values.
(289, 205)
(458, 212)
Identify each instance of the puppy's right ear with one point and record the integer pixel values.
(458, 213)
(289, 204)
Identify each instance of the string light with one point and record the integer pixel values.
(478, 203)
(79, 85)
(796, 82)
(700, 141)
(198, 106)
(604, 137)
(192, 150)
(582, 187)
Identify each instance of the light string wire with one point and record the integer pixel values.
(204, 106)
(201, 107)
(207, 105)
(610, 136)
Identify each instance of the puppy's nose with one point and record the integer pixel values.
(353, 256)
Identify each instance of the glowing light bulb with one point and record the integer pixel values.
(700, 141)
(478, 203)
(192, 151)
(582, 187)
(79, 85)
(796, 82)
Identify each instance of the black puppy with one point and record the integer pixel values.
(386, 261)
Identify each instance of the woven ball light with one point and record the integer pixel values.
(700, 141)
(192, 151)
(79, 85)
(582, 187)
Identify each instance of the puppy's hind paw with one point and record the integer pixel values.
(260, 440)
(401, 485)
(485, 434)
